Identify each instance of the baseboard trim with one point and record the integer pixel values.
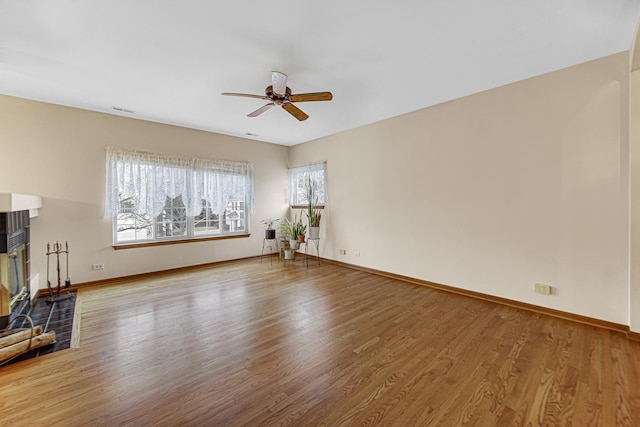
(618, 327)
(142, 276)
(635, 336)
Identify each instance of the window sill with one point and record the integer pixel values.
(306, 206)
(178, 241)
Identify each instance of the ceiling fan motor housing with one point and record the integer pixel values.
(275, 97)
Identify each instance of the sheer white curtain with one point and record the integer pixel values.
(219, 181)
(147, 179)
(299, 177)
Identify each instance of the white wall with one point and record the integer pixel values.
(493, 192)
(59, 154)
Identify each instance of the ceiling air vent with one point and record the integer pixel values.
(122, 110)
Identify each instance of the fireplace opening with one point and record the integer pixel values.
(14, 265)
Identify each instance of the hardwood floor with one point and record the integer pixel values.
(245, 343)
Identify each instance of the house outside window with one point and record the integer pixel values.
(154, 197)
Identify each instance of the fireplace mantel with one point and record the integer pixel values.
(13, 202)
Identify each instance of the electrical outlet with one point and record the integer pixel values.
(543, 289)
(343, 251)
(99, 266)
(356, 254)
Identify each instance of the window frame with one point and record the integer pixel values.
(298, 174)
(190, 235)
(230, 191)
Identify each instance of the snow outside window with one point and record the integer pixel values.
(157, 197)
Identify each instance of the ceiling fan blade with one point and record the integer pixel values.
(279, 82)
(261, 110)
(295, 111)
(317, 96)
(246, 95)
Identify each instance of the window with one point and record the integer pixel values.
(299, 179)
(155, 197)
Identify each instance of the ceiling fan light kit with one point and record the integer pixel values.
(279, 94)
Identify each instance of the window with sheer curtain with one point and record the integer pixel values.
(157, 197)
(301, 177)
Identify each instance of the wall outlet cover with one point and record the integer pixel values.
(543, 289)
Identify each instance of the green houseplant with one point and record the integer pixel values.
(269, 232)
(283, 235)
(289, 235)
(295, 229)
(300, 230)
(313, 214)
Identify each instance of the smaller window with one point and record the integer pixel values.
(301, 177)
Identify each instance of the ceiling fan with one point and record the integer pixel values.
(279, 94)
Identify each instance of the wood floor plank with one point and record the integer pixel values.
(251, 344)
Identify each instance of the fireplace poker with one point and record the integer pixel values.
(49, 281)
(67, 282)
(56, 247)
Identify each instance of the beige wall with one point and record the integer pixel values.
(634, 194)
(59, 154)
(634, 125)
(493, 192)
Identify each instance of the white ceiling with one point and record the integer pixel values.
(168, 61)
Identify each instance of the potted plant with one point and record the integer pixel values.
(289, 254)
(289, 233)
(269, 232)
(301, 229)
(289, 238)
(283, 235)
(313, 214)
(296, 228)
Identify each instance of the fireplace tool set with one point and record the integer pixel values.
(15, 342)
(57, 251)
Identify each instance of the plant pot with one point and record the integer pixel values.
(314, 232)
(269, 233)
(293, 243)
(301, 238)
(289, 254)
